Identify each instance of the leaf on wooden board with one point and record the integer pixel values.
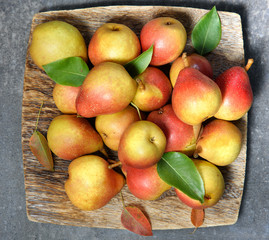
(197, 217)
(139, 64)
(39, 147)
(179, 171)
(69, 71)
(206, 33)
(133, 219)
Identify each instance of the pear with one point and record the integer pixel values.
(195, 97)
(237, 95)
(55, 40)
(195, 61)
(145, 183)
(107, 89)
(141, 145)
(91, 184)
(65, 98)
(179, 135)
(220, 142)
(70, 137)
(111, 126)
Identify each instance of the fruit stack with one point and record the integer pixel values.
(143, 117)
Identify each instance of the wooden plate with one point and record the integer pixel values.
(46, 200)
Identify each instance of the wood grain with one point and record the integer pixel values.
(46, 200)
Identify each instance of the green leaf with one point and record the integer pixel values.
(39, 147)
(206, 34)
(179, 171)
(69, 71)
(139, 64)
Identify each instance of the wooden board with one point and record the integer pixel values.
(46, 200)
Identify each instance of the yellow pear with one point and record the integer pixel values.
(220, 142)
(91, 184)
(56, 40)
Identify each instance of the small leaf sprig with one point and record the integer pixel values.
(39, 147)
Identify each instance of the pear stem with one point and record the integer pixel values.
(102, 150)
(38, 115)
(140, 83)
(249, 63)
(116, 164)
(137, 109)
(185, 60)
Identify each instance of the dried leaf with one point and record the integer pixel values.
(39, 147)
(197, 217)
(133, 219)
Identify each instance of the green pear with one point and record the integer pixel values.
(91, 184)
(107, 89)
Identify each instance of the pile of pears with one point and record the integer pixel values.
(139, 118)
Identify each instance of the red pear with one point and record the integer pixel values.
(179, 135)
(107, 89)
(154, 90)
(195, 97)
(194, 61)
(145, 183)
(237, 96)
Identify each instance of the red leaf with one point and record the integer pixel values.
(197, 217)
(39, 147)
(133, 219)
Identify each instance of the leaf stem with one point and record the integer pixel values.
(38, 115)
(116, 164)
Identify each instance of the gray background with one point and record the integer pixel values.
(15, 21)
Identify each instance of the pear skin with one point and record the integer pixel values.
(220, 142)
(112, 126)
(91, 184)
(107, 89)
(195, 97)
(179, 135)
(70, 137)
(145, 183)
(65, 98)
(237, 95)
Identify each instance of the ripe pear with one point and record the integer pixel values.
(220, 142)
(113, 42)
(237, 95)
(213, 183)
(195, 97)
(91, 184)
(145, 183)
(56, 40)
(107, 89)
(179, 135)
(70, 137)
(195, 61)
(154, 89)
(141, 145)
(111, 126)
(65, 98)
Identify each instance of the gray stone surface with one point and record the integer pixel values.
(15, 21)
